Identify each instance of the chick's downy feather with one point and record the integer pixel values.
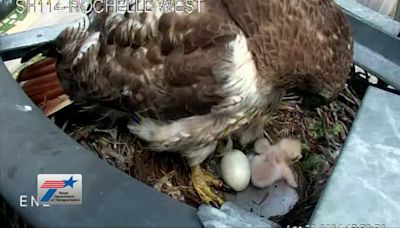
(207, 74)
(272, 162)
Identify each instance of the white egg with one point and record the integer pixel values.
(235, 169)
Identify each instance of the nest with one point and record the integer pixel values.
(322, 133)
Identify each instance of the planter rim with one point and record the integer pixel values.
(30, 144)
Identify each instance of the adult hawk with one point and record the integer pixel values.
(208, 74)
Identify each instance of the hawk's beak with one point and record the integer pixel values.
(314, 101)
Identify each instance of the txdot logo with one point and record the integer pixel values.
(59, 189)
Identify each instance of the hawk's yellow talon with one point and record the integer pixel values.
(202, 180)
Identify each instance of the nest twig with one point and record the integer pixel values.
(322, 132)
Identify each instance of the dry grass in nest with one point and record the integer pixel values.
(166, 172)
(322, 133)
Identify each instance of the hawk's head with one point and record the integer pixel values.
(321, 90)
(310, 54)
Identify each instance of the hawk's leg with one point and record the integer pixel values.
(252, 132)
(203, 182)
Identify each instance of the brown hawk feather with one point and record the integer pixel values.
(208, 74)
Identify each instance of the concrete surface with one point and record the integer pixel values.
(364, 186)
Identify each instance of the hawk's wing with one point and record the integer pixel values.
(142, 61)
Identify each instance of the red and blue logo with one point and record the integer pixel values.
(53, 188)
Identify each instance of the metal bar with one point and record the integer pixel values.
(397, 14)
(377, 65)
(376, 46)
(375, 39)
(15, 45)
(370, 16)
